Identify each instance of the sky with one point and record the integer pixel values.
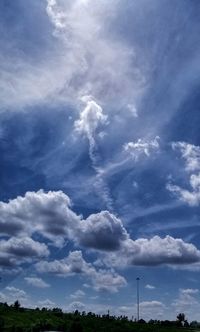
(100, 155)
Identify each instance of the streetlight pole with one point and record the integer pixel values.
(138, 298)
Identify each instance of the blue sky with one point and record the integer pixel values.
(100, 155)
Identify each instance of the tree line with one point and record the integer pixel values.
(15, 318)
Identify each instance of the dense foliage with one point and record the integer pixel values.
(16, 319)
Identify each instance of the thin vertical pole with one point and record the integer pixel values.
(138, 299)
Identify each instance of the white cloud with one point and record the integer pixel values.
(152, 309)
(150, 286)
(148, 310)
(190, 153)
(110, 281)
(82, 57)
(195, 181)
(155, 251)
(133, 110)
(16, 292)
(90, 118)
(186, 301)
(36, 282)
(100, 279)
(50, 215)
(46, 213)
(77, 295)
(189, 291)
(46, 303)
(16, 251)
(11, 294)
(71, 265)
(141, 147)
(76, 305)
(192, 198)
(83, 29)
(102, 231)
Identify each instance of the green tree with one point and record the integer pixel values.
(16, 305)
(181, 318)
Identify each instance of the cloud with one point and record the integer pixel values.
(192, 198)
(78, 294)
(186, 301)
(81, 57)
(148, 310)
(76, 305)
(91, 118)
(101, 279)
(190, 153)
(150, 286)
(46, 213)
(36, 282)
(152, 309)
(109, 281)
(141, 147)
(11, 294)
(16, 292)
(189, 291)
(50, 215)
(16, 251)
(154, 252)
(102, 231)
(71, 265)
(85, 35)
(46, 303)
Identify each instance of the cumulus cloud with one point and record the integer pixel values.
(16, 251)
(50, 215)
(155, 251)
(77, 295)
(141, 147)
(189, 291)
(16, 292)
(11, 294)
(102, 231)
(73, 264)
(100, 279)
(46, 303)
(186, 300)
(36, 282)
(46, 213)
